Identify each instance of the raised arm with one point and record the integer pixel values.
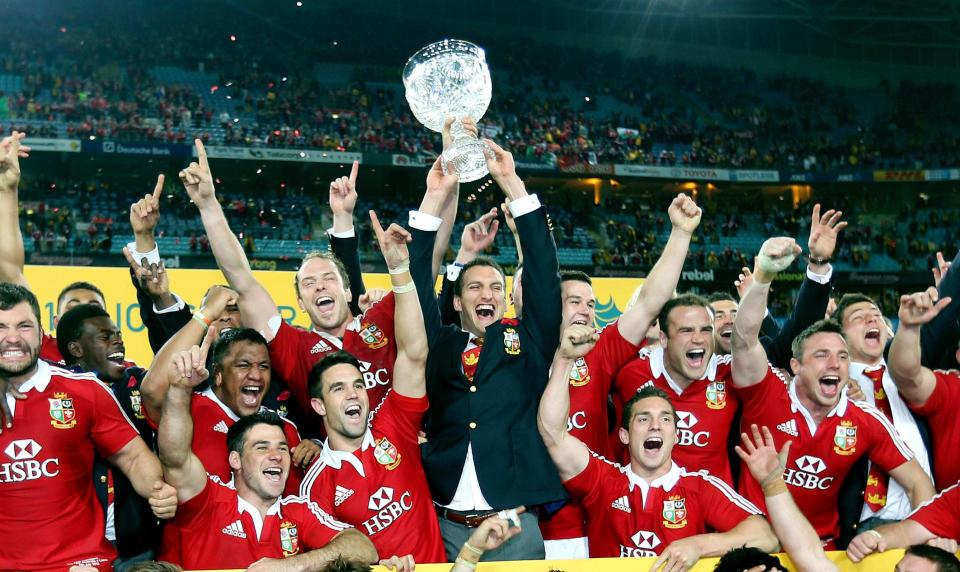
(749, 365)
(11, 241)
(796, 534)
(181, 467)
(569, 454)
(256, 305)
(156, 383)
(343, 236)
(915, 382)
(411, 336)
(939, 336)
(662, 280)
(448, 209)
(915, 482)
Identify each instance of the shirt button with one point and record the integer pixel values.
(473, 389)
(103, 479)
(473, 425)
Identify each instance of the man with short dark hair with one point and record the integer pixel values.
(652, 506)
(830, 432)
(369, 473)
(59, 420)
(237, 526)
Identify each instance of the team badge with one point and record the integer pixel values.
(511, 342)
(289, 542)
(373, 336)
(135, 404)
(580, 373)
(62, 414)
(845, 440)
(675, 512)
(386, 454)
(717, 395)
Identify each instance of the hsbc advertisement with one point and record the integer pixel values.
(22, 461)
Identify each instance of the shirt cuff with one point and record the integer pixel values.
(453, 271)
(424, 221)
(821, 278)
(524, 205)
(153, 257)
(174, 308)
(273, 326)
(345, 234)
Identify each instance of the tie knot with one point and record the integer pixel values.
(875, 374)
(478, 341)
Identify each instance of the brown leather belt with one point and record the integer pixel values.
(472, 520)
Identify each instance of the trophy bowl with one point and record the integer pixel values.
(451, 78)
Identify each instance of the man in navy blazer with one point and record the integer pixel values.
(483, 453)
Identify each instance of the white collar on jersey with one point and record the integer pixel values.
(840, 409)
(208, 392)
(658, 368)
(858, 369)
(40, 379)
(244, 506)
(333, 340)
(333, 458)
(666, 482)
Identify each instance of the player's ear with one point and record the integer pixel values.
(624, 436)
(317, 404)
(234, 460)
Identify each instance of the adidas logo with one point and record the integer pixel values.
(235, 529)
(790, 428)
(622, 503)
(341, 495)
(320, 346)
(221, 427)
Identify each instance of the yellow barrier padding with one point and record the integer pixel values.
(47, 282)
(874, 563)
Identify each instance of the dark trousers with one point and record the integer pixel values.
(528, 545)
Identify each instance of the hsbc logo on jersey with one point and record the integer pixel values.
(387, 509)
(645, 542)
(577, 420)
(685, 432)
(372, 379)
(807, 474)
(25, 466)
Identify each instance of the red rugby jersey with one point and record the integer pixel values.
(626, 517)
(369, 338)
(705, 410)
(381, 488)
(944, 426)
(220, 530)
(52, 519)
(821, 456)
(941, 514)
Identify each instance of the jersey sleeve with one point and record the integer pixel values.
(724, 507)
(941, 514)
(193, 513)
(111, 430)
(587, 486)
(400, 417)
(613, 353)
(319, 527)
(758, 397)
(287, 359)
(945, 394)
(887, 449)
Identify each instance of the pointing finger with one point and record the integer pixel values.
(353, 173)
(202, 155)
(158, 189)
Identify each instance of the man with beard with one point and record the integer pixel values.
(830, 432)
(479, 392)
(370, 475)
(59, 421)
(811, 302)
(323, 292)
(652, 506)
(90, 342)
(247, 523)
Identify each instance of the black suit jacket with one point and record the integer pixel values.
(512, 463)
(347, 251)
(809, 307)
(160, 327)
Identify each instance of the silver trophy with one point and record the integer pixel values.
(451, 78)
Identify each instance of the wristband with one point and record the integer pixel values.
(198, 316)
(814, 260)
(877, 534)
(401, 269)
(465, 563)
(404, 288)
(772, 265)
(476, 551)
(774, 488)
